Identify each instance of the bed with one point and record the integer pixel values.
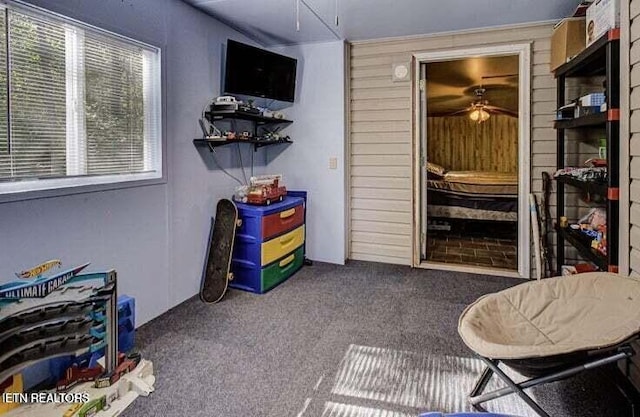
(472, 195)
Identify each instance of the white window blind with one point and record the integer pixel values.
(4, 123)
(83, 104)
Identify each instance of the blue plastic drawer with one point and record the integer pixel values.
(250, 231)
(126, 323)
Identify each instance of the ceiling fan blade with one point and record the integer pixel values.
(486, 77)
(455, 113)
(446, 98)
(500, 110)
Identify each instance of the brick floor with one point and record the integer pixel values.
(472, 250)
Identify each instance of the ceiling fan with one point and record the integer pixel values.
(480, 110)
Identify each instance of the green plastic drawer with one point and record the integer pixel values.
(281, 269)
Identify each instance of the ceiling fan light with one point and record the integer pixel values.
(479, 115)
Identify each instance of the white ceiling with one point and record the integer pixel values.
(273, 22)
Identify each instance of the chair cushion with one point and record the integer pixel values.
(553, 316)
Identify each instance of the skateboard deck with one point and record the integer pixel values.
(217, 271)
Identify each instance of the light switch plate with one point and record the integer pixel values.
(333, 163)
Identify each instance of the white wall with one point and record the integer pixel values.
(154, 236)
(318, 134)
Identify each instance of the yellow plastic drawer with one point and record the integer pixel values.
(278, 247)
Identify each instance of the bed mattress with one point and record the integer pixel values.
(477, 183)
(490, 203)
(554, 316)
(466, 213)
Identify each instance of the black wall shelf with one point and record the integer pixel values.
(257, 121)
(257, 143)
(239, 115)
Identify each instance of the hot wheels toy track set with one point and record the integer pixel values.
(46, 315)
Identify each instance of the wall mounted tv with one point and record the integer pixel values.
(256, 72)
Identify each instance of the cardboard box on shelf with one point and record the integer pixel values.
(602, 16)
(567, 40)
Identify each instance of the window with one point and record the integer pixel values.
(78, 106)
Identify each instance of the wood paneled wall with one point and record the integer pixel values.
(460, 144)
(381, 133)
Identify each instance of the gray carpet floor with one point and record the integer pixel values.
(361, 340)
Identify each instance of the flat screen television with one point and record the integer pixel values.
(256, 72)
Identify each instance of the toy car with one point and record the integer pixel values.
(126, 364)
(265, 190)
(93, 407)
(74, 375)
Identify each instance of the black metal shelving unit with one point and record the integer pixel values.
(602, 58)
(257, 121)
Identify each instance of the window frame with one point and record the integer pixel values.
(27, 189)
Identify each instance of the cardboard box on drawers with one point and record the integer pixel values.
(567, 40)
(602, 16)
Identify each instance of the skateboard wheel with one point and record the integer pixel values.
(230, 276)
(239, 223)
(268, 202)
(280, 198)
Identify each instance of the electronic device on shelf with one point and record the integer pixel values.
(226, 99)
(224, 107)
(225, 104)
(213, 135)
(246, 108)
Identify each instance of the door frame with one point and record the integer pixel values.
(523, 52)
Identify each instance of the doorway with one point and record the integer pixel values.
(471, 165)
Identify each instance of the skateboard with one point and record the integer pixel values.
(217, 272)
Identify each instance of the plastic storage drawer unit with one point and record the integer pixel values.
(269, 244)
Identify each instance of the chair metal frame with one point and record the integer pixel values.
(623, 352)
